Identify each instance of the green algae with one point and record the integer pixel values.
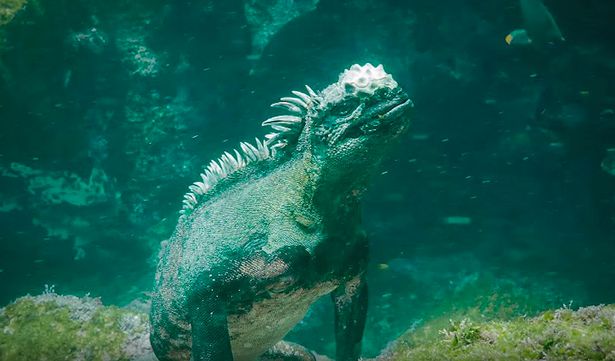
(43, 329)
(563, 334)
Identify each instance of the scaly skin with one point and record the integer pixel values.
(258, 243)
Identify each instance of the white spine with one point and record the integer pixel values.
(284, 126)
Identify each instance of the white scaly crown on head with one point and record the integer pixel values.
(365, 79)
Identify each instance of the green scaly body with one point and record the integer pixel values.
(277, 225)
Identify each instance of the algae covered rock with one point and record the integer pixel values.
(8, 9)
(52, 327)
(563, 334)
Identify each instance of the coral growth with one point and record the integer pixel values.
(62, 187)
(138, 57)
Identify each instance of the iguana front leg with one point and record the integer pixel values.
(350, 302)
(210, 337)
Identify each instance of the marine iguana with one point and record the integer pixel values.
(273, 226)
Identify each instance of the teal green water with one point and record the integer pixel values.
(502, 196)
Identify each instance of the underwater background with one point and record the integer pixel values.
(502, 198)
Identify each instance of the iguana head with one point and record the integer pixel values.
(346, 128)
(359, 115)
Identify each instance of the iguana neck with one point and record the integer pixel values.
(334, 192)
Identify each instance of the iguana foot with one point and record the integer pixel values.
(287, 351)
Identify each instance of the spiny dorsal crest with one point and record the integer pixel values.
(286, 130)
(288, 127)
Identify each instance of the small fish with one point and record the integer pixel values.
(403, 266)
(518, 37)
(383, 266)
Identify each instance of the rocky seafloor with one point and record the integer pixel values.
(54, 327)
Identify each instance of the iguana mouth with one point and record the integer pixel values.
(398, 109)
(382, 119)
